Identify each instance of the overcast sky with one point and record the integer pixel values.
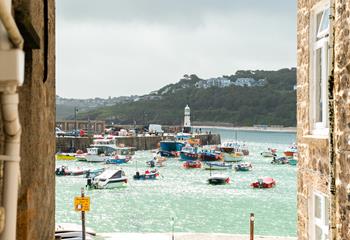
(127, 47)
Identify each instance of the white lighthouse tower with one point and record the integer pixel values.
(187, 120)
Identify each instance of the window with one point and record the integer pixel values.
(319, 69)
(319, 219)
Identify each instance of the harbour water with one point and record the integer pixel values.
(148, 206)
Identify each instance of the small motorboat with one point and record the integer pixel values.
(148, 175)
(65, 156)
(118, 159)
(271, 152)
(94, 172)
(244, 167)
(218, 166)
(164, 153)
(108, 179)
(233, 157)
(267, 182)
(218, 179)
(294, 160)
(290, 151)
(280, 160)
(192, 164)
(64, 171)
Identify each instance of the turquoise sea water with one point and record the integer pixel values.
(148, 206)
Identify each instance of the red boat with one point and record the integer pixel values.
(192, 164)
(267, 182)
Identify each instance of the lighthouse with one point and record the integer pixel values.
(187, 120)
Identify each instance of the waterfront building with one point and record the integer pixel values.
(323, 119)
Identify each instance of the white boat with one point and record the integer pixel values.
(72, 231)
(218, 179)
(108, 179)
(217, 166)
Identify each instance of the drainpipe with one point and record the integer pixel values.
(11, 76)
(331, 153)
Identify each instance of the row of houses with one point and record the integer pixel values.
(223, 82)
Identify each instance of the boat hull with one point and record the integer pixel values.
(215, 166)
(232, 157)
(185, 156)
(218, 180)
(192, 164)
(65, 157)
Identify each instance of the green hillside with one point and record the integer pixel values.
(271, 104)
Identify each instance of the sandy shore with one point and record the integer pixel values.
(259, 129)
(184, 236)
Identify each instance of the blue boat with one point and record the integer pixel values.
(189, 153)
(118, 159)
(171, 146)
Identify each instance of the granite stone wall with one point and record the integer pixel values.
(342, 117)
(313, 171)
(313, 167)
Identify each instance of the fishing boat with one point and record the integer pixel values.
(148, 175)
(108, 179)
(267, 182)
(192, 164)
(218, 179)
(65, 156)
(211, 155)
(217, 166)
(189, 153)
(64, 171)
(168, 148)
(118, 159)
(290, 151)
(244, 167)
(280, 160)
(94, 172)
(233, 156)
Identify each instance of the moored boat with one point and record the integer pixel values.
(108, 179)
(189, 153)
(94, 172)
(271, 152)
(192, 164)
(233, 156)
(72, 231)
(266, 182)
(65, 156)
(169, 148)
(244, 167)
(280, 160)
(290, 151)
(148, 175)
(217, 166)
(64, 171)
(218, 179)
(211, 155)
(118, 159)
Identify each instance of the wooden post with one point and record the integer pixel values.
(83, 218)
(252, 218)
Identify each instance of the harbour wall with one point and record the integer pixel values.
(69, 144)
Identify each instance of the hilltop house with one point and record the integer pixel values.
(323, 119)
(219, 82)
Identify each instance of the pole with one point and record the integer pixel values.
(172, 229)
(75, 128)
(82, 218)
(252, 219)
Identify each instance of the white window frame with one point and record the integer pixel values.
(319, 40)
(319, 222)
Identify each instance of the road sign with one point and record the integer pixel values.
(82, 204)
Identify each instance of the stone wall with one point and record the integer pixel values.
(313, 167)
(313, 152)
(65, 144)
(342, 117)
(36, 203)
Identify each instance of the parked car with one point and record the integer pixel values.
(59, 132)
